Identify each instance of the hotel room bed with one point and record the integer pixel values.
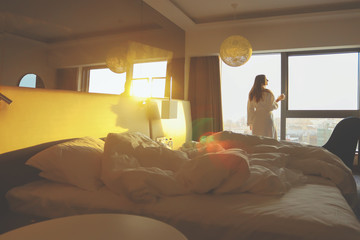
(231, 186)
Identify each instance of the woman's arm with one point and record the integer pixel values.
(280, 98)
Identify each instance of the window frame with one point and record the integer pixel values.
(286, 113)
(85, 80)
(167, 77)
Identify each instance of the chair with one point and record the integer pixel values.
(344, 139)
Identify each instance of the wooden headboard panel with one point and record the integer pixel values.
(40, 115)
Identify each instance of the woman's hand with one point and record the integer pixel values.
(280, 98)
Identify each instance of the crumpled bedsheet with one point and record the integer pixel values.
(224, 163)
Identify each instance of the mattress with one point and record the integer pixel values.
(310, 211)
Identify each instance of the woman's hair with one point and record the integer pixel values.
(257, 89)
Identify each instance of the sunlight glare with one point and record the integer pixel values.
(140, 88)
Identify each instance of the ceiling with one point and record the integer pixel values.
(55, 21)
(206, 11)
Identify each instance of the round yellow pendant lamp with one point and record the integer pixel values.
(235, 50)
(117, 60)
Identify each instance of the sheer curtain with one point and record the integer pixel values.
(205, 96)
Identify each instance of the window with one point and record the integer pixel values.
(149, 79)
(323, 81)
(314, 131)
(236, 83)
(31, 80)
(321, 87)
(103, 80)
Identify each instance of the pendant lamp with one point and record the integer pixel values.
(117, 59)
(235, 50)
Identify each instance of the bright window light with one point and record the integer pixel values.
(158, 87)
(149, 80)
(150, 69)
(155, 75)
(140, 88)
(103, 80)
(323, 82)
(316, 82)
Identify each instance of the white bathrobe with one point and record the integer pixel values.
(259, 115)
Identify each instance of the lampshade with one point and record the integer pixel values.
(235, 50)
(117, 59)
(169, 109)
(116, 64)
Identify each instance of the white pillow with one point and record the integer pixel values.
(76, 162)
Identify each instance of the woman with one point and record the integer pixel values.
(261, 103)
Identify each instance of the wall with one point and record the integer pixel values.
(277, 34)
(39, 115)
(21, 55)
(323, 30)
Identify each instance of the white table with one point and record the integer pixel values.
(96, 227)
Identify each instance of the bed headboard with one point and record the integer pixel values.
(37, 116)
(40, 115)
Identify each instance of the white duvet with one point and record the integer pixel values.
(288, 191)
(225, 163)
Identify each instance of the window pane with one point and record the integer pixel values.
(29, 80)
(236, 83)
(156, 73)
(150, 69)
(140, 88)
(158, 87)
(314, 131)
(323, 82)
(105, 81)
